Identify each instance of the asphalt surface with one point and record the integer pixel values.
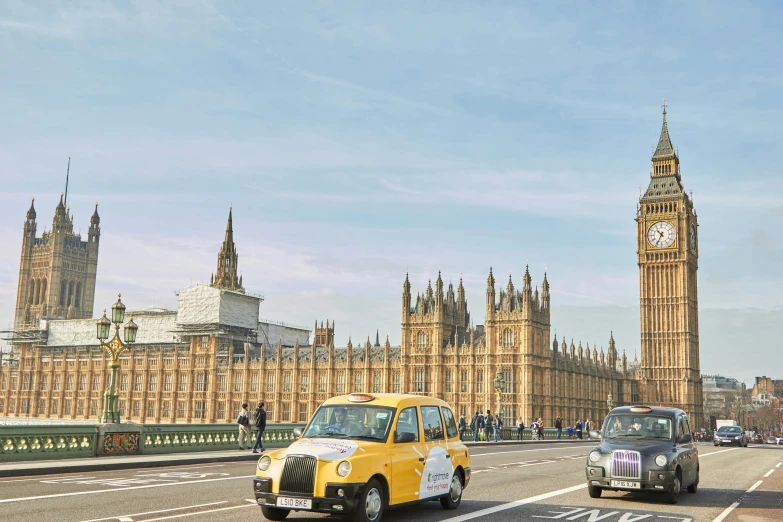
(514, 483)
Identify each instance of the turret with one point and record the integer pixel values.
(490, 294)
(377, 339)
(406, 297)
(29, 225)
(460, 294)
(545, 294)
(612, 352)
(554, 348)
(94, 234)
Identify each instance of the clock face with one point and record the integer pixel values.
(661, 234)
(693, 238)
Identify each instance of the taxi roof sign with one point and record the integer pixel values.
(641, 409)
(360, 397)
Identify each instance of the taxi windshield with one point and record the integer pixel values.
(351, 421)
(631, 425)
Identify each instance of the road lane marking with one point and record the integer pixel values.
(198, 513)
(716, 452)
(521, 451)
(516, 503)
(115, 490)
(726, 512)
(754, 486)
(39, 478)
(156, 512)
(778, 464)
(770, 472)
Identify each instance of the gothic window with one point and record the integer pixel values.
(222, 383)
(321, 382)
(270, 382)
(153, 383)
(204, 342)
(238, 384)
(70, 294)
(150, 408)
(286, 412)
(181, 409)
(96, 383)
(287, 382)
(421, 341)
(480, 381)
(62, 293)
(56, 383)
(200, 410)
(44, 382)
(82, 383)
(221, 410)
(41, 406)
(78, 298)
(4, 382)
(463, 385)
(303, 412)
(166, 409)
(510, 386)
(420, 380)
(396, 382)
(167, 382)
(448, 381)
(358, 382)
(303, 381)
(254, 383)
(376, 382)
(80, 408)
(634, 392)
(137, 386)
(67, 407)
(341, 382)
(27, 382)
(508, 338)
(201, 383)
(55, 407)
(183, 383)
(43, 291)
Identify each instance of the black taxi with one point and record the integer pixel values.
(644, 449)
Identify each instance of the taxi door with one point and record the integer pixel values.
(407, 458)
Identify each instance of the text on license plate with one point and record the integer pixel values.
(624, 484)
(295, 503)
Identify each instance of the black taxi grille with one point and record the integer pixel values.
(298, 475)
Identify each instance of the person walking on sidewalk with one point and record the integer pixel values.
(462, 427)
(579, 429)
(244, 428)
(559, 427)
(520, 428)
(498, 428)
(259, 419)
(488, 424)
(480, 423)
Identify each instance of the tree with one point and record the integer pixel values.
(767, 418)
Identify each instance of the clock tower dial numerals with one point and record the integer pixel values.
(661, 234)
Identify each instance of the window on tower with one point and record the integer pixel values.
(508, 338)
(421, 341)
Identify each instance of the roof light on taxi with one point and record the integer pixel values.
(640, 409)
(360, 397)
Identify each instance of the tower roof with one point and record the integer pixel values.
(31, 212)
(95, 218)
(665, 147)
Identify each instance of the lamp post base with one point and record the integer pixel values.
(119, 439)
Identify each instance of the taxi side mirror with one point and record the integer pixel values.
(595, 434)
(404, 437)
(298, 433)
(684, 439)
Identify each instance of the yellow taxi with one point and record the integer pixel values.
(362, 453)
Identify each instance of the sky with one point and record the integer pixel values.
(358, 141)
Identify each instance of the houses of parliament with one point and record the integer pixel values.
(199, 363)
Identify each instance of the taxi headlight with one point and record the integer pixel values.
(595, 456)
(264, 463)
(661, 460)
(344, 468)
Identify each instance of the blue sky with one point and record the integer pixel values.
(358, 140)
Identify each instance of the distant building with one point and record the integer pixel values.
(719, 383)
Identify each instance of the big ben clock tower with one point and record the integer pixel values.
(667, 241)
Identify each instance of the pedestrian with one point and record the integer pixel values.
(579, 429)
(488, 426)
(244, 427)
(462, 427)
(541, 428)
(588, 427)
(259, 419)
(480, 424)
(570, 432)
(559, 427)
(520, 428)
(498, 428)
(534, 430)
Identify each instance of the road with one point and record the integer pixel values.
(510, 483)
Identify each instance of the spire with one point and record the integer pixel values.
(95, 218)
(377, 338)
(665, 147)
(527, 279)
(31, 212)
(67, 175)
(490, 279)
(228, 260)
(230, 226)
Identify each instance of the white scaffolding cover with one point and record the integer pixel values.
(201, 304)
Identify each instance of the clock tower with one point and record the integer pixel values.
(667, 242)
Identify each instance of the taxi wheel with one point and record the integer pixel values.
(452, 500)
(271, 513)
(594, 491)
(370, 505)
(671, 496)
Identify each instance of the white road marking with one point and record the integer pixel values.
(770, 472)
(778, 464)
(488, 511)
(40, 476)
(716, 452)
(115, 490)
(520, 451)
(754, 486)
(198, 513)
(129, 517)
(726, 512)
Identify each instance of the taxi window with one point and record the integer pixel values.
(408, 422)
(451, 426)
(433, 425)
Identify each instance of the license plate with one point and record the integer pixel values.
(625, 484)
(294, 503)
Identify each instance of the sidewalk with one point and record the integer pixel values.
(51, 467)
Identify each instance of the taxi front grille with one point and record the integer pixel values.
(298, 475)
(626, 464)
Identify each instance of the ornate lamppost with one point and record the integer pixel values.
(500, 384)
(114, 348)
(609, 402)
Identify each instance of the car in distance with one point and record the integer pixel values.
(779, 439)
(361, 453)
(771, 440)
(730, 436)
(644, 449)
(757, 439)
